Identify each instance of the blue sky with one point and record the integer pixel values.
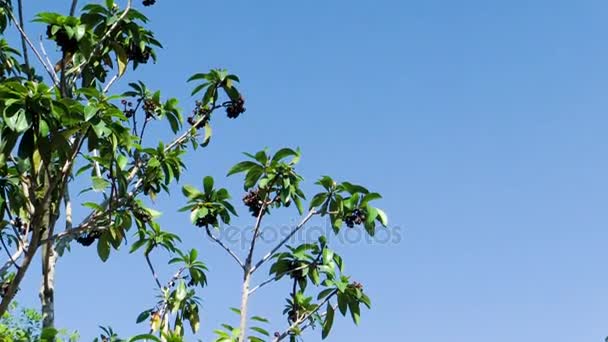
(481, 122)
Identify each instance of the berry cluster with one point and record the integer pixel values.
(138, 55)
(235, 108)
(206, 221)
(150, 108)
(128, 108)
(253, 200)
(356, 217)
(61, 38)
(20, 225)
(357, 285)
(148, 2)
(88, 238)
(199, 111)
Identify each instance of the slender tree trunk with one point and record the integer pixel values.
(47, 289)
(245, 302)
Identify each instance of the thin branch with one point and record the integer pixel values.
(46, 56)
(310, 214)
(152, 270)
(271, 279)
(7, 252)
(304, 318)
(24, 37)
(26, 58)
(226, 248)
(22, 248)
(110, 83)
(73, 7)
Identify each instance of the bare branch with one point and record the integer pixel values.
(73, 7)
(271, 279)
(7, 252)
(27, 40)
(152, 270)
(310, 214)
(226, 248)
(22, 248)
(26, 58)
(110, 83)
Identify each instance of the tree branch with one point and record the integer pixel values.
(73, 7)
(7, 252)
(27, 40)
(226, 248)
(26, 58)
(310, 214)
(152, 270)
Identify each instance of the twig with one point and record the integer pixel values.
(230, 251)
(7, 253)
(25, 38)
(26, 58)
(152, 270)
(13, 257)
(310, 214)
(110, 83)
(271, 279)
(46, 56)
(73, 7)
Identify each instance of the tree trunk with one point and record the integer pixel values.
(47, 289)
(244, 303)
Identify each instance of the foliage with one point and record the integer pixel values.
(64, 128)
(23, 324)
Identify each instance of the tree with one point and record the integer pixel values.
(63, 127)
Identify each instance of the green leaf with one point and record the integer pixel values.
(261, 331)
(328, 256)
(103, 247)
(382, 217)
(143, 316)
(252, 177)
(146, 337)
(354, 311)
(342, 303)
(318, 199)
(190, 191)
(208, 184)
(181, 291)
(259, 319)
(80, 31)
(89, 112)
(241, 167)
(283, 153)
(122, 59)
(324, 293)
(99, 183)
(329, 321)
(372, 213)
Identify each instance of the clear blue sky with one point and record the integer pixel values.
(483, 123)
